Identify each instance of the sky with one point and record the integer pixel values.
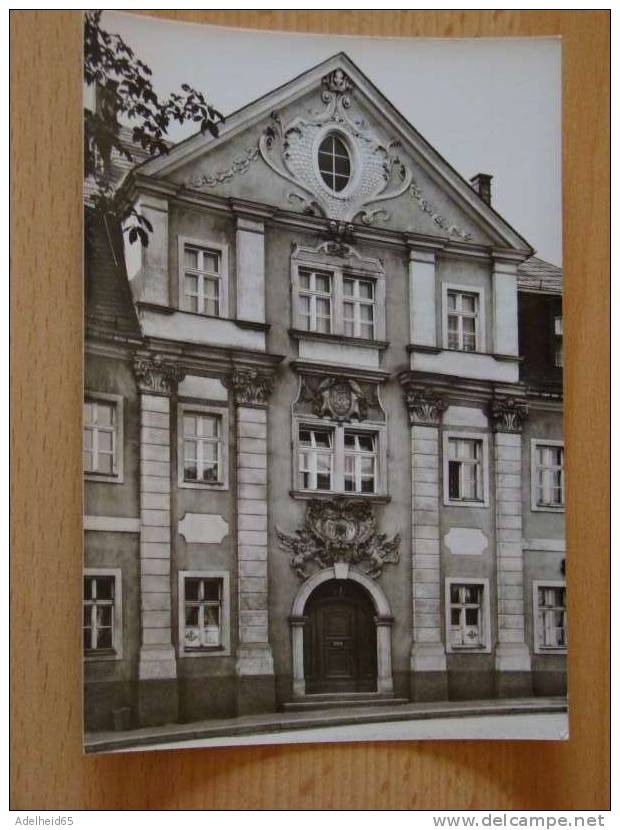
(490, 105)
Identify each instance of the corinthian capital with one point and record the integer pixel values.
(507, 414)
(155, 375)
(424, 405)
(251, 387)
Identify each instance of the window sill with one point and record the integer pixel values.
(550, 650)
(103, 655)
(301, 334)
(548, 508)
(215, 651)
(464, 503)
(468, 649)
(326, 495)
(103, 478)
(199, 485)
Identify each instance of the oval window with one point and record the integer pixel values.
(334, 163)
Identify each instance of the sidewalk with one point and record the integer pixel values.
(281, 722)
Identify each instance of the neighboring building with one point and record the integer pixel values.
(323, 425)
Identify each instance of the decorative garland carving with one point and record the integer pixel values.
(239, 166)
(508, 414)
(155, 375)
(424, 406)
(251, 387)
(416, 193)
(339, 530)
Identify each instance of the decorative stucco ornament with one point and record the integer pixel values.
(251, 387)
(339, 531)
(424, 406)
(507, 414)
(290, 150)
(340, 399)
(239, 166)
(416, 193)
(155, 375)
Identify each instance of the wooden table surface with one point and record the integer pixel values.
(48, 769)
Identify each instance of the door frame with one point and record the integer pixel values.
(383, 622)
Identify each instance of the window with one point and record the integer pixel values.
(203, 446)
(547, 475)
(204, 625)
(550, 616)
(315, 300)
(462, 321)
(203, 277)
(359, 308)
(334, 163)
(558, 342)
(360, 460)
(316, 458)
(102, 450)
(102, 628)
(465, 469)
(467, 614)
(339, 459)
(339, 301)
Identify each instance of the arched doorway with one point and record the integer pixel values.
(340, 644)
(301, 628)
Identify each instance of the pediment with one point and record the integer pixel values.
(268, 153)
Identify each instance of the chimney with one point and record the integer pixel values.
(481, 183)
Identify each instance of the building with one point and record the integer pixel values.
(323, 425)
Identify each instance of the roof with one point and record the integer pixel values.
(461, 190)
(109, 309)
(538, 276)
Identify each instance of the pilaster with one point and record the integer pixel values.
(250, 254)
(157, 380)
(505, 310)
(256, 687)
(428, 656)
(423, 317)
(512, 656)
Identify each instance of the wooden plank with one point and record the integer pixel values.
(48, 769)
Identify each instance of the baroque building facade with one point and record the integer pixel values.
(322, 425)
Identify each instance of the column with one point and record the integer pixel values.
(157, 694)
(505, 310)
(256, 686)
(512, 656)
(385, 683)
(250, 252)
(428, 655)
(422, 293)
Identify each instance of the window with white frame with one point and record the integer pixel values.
(463, 321)
(547, 475)
(102, 602)
(360, 461)
(204, 611)
(316, 458)
(203, 277)
(102, 447)
(550, 616)
(329, 299)
(467, 614)
(465, 469)
(558, 348)
(359, 308)
(315, 300)
(202, 446)
(340, 459)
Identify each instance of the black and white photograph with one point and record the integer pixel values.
(323, 409)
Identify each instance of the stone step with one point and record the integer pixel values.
(339, 701)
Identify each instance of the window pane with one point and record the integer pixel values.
(367, 442)
(304, 279)
(348, 287)
(210, 426)
(191, 258)
(453, 479)
(190, 472)
(88, 587)
(368, 485)
(323, 283)
(342, 167)
(105, 464)
(471, 616)
(304, 437)
(323, 481)
(210, 261)
(189, 425)
(191, 615)
(88, 412)
(210, 473)
(104, 616)
(212, 615)
(367, 313)
(105, 587)
(451, 300)
(192, 589)
(105, 415)
(322, 438)
(212, 589)
(105, 441)
(472, 593)
(104, 638)
(191, 284)
(468, 302)
(87, 461)
(366, 290)
(454, 594)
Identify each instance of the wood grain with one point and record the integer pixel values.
(48, 769)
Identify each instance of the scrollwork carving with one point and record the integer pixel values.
(339, 530)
